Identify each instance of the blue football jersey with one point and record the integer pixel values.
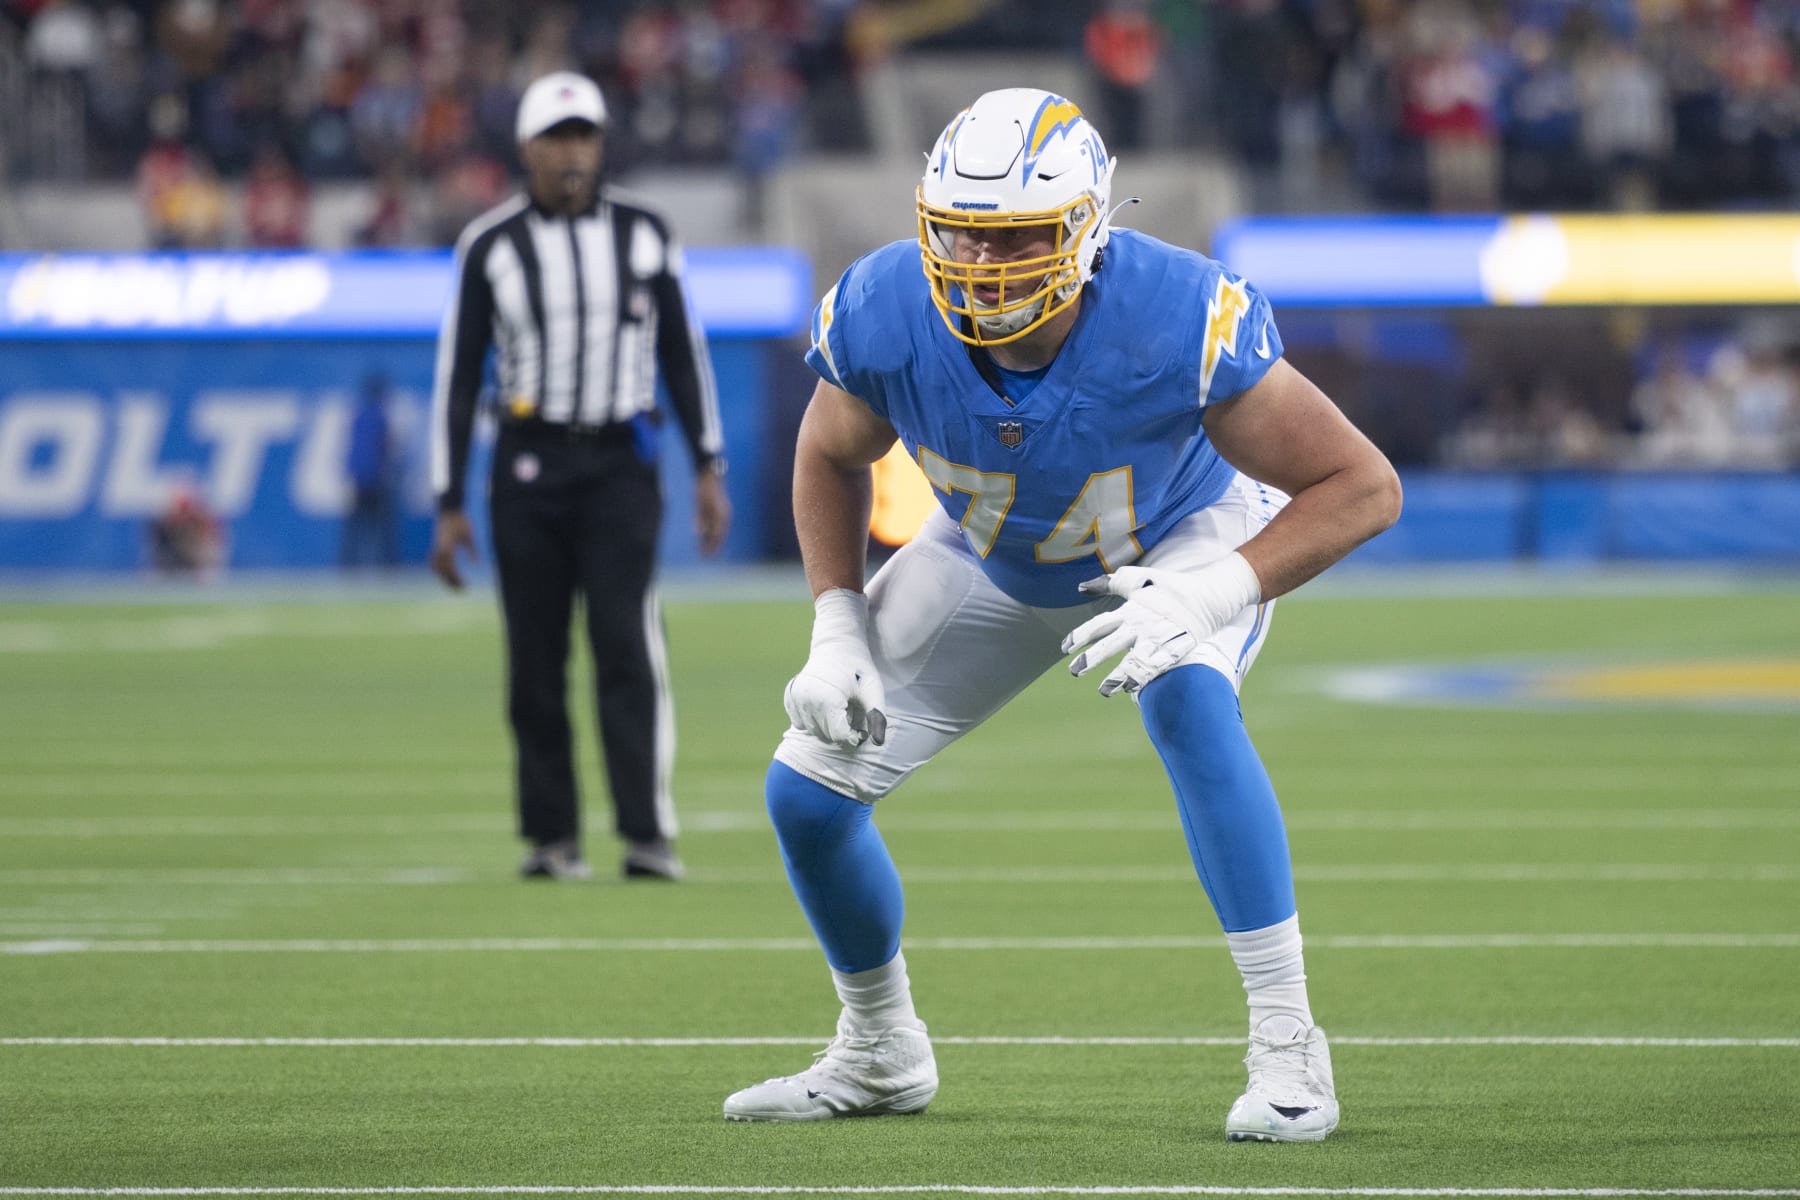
(1106, 454)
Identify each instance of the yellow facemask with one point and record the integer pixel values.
(1031, 290)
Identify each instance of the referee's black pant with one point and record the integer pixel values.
(579, 513)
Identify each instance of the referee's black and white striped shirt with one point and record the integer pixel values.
(583, 310)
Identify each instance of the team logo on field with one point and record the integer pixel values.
(1011, 433)
(1736, 685)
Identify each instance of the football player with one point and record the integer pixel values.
(1126, 467)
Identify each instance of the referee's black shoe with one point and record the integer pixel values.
(556, 860)
(654, 859)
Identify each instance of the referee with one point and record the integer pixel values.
(581, 294)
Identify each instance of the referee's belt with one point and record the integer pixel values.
(537, 427)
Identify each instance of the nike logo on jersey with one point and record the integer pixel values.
(1262, 347)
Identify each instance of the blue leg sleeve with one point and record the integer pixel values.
(1228, 807)
(840, 869)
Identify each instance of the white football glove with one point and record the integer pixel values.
(1165, 615)
(837, 696)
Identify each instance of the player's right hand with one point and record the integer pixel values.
(837, 697)
(1165, 614)
(451, 532)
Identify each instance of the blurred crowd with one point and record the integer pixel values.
(1458, 105)
(1734, 404)
(1407, 104)
(1701, 398)
(270, 97)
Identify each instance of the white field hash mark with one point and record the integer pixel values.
(311, 1043)
(963, 1189)
(1381, 941)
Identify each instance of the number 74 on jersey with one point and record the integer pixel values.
(1098, 522)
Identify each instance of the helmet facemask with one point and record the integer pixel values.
(1005, 299)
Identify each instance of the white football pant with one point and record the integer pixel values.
(952, 648)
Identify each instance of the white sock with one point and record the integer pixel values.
(876, 1001)
(1274, 971)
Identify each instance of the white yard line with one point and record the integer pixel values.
(149, 631)
(1526, 819)
(44, 929)
(721, 821)
(1391, 941)
(246, 876)
(1334, 873)
(315, 1043)
(1548, 873)
(248, 782)
(254, 826)
(964, 1189)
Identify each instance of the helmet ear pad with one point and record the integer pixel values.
(1088, 226)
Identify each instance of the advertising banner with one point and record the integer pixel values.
(137, 386)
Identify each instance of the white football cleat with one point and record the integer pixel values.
(1290, 1097)
(893, 1072)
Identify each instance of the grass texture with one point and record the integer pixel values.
(292, 821)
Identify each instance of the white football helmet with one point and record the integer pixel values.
(1016, 157)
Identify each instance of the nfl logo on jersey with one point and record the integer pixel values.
(1011, 433)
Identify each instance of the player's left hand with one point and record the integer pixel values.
(1165, 615)
(837, 697)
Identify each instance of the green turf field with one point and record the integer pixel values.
(236, 822)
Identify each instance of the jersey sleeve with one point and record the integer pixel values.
(837, 323)
(828, 355)
(1238, 339)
